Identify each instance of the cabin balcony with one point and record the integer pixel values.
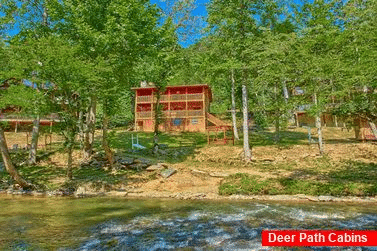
(21, 117)
(171, 114)
(171, 98)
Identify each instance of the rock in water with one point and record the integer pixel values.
(167, 172)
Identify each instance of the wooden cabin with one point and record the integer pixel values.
(184, 108)
(17, 121)
(365, 129)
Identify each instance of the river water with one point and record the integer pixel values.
(29, 223)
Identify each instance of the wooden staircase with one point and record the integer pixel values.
(221, 127)
(218, 122)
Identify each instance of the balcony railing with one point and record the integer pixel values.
(172, 97)
(10, 116)
(197, 96)
(195, 113)
(164, 98)
(171, 114)
(144, 99)
(144, 115)
(177, 97)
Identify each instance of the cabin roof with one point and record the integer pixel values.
(171, 86)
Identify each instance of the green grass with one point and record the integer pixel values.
(287, 138)
(122, 140)
(349, 178)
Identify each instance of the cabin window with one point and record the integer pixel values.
(177, 122)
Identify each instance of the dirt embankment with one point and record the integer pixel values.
(200, 175)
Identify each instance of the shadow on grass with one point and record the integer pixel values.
(356, 171)
(287, 138)
(175, 147)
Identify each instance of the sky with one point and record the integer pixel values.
(200, 10)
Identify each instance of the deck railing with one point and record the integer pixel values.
(178, 97)
(144, 99)
(172, 97)
(10, 116)
(144, 115)
(171, 114)
(164, 98)
(194, 113)
(197, 96)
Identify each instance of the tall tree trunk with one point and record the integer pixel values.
(70, 161)
(277, 117)
(90, 128)
(277, 127)
(80, 126)
(105, 140)
(157, 121)
(246, 146)
(234, 119)
(8, 163)
(45, 15)
(318, 124)
(34, 141)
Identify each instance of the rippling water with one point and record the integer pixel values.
(121, 224)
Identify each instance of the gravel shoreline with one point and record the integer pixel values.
(191, 196)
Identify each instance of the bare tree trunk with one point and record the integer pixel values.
(8, 163)
(157, 121)
(45, 15)
(80, 126)
(318, 124)
(70, 161)
(246, 146)
(234, 119)
(90, 128)
(105, 140)
(34, 141)
(285, 92)
(277, 117)
(277, 127)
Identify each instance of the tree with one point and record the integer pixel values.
(6, 55)
(358, 45)
(66, 71)
(317, 56)
(231, 24)
(117, 33)
(8, 162)
(157, 69)
(32, 20)
(246, 146)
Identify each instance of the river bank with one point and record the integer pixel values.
(192, 196)
(346, 173)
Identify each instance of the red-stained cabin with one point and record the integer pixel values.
(185, 108)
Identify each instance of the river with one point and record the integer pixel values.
(30, 223)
